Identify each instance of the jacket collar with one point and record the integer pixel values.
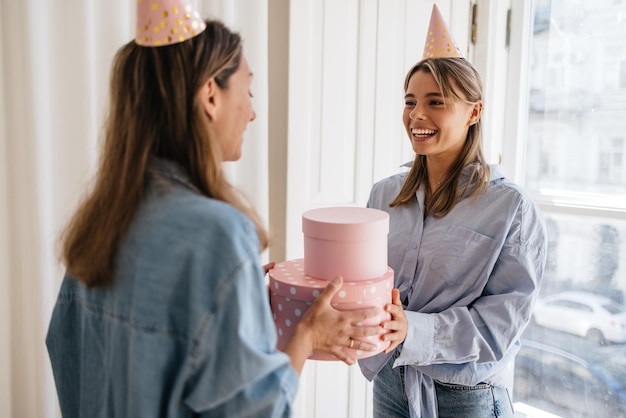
(171, 171)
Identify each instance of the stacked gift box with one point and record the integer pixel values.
(338, 241)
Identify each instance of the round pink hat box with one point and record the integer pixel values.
(293, 292)
(345, 241)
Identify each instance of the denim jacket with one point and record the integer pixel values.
(185, 330)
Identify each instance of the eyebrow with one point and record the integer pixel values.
(433, 94)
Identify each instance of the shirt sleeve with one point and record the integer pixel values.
(485, 330)
(236, 370)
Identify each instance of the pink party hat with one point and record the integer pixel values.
(439, 41)
(166, 22)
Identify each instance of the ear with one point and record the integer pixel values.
(477, 110)
(210, 98)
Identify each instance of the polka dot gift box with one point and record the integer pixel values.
(292, 293)
(350, 242)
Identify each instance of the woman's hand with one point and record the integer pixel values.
(397, 326)
(269, 266)
(329, 330)
(267, 269)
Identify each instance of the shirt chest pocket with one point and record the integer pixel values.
(461, 256)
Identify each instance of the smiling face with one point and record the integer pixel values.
(230, 110)
(437, 126)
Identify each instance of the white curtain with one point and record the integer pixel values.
(55, 59)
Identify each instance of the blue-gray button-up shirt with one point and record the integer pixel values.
(185, 330)
(470, 280)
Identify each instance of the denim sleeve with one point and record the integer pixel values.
(237, 370)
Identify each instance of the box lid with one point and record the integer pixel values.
(289, 280)
(345, 223)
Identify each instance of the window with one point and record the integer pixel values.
(575, 150)
(612, 159)
(622, 78)
(573, 162)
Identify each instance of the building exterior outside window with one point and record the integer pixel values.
(576, 152)
(573, 363)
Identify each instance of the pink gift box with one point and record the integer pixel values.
(293, 292)
(345, 241)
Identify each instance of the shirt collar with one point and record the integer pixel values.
(496, 171)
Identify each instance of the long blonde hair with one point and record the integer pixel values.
(458, 80)
(154, 111)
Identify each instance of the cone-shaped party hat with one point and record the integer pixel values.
(439, 40)
(166, 22)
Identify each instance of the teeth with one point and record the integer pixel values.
(423, 132)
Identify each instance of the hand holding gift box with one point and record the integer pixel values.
(341, 241)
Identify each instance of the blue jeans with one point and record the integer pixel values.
(390, 399)
(454, 401)
(480, 401)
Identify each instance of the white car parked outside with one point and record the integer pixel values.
(588, 315)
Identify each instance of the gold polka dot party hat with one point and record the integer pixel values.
(439, 40)
(166, 22)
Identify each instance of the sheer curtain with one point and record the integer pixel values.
(55, 58)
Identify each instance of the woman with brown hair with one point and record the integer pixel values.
(163, 310)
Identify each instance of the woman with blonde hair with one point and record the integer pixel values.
(468, 248)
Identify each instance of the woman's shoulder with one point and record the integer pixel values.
(171, 196)
(391, 184)
(201, 221)
(211, 210)
(500, 184)
(385, 191)
(513, 200)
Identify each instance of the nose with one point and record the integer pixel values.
(253, 116)
(416, 113)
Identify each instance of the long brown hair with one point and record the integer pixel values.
(460, 81)
(154, 111)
